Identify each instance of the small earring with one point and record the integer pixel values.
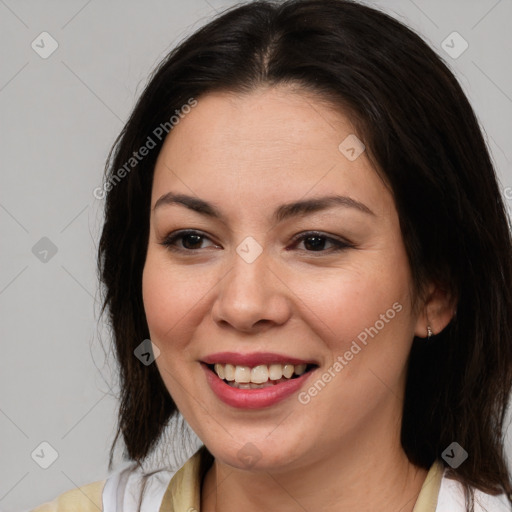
(429, 332)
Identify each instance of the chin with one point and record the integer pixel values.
(257, 455)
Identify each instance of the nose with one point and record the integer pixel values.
(252, 297)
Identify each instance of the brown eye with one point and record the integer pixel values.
(316, 242)
(191, 241)
(185, 241)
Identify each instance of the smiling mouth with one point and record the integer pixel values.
(260, 376)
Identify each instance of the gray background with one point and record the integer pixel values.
(59, 117)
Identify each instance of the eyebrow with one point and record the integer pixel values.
(282, 212)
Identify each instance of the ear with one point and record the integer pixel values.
(436, 311)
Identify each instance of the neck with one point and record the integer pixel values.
(357, 478)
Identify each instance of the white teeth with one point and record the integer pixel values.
(219, 370)
(288, 370)
(251, 385)
(258, 375)
(242, 374)
(229, 372)
(275, 371)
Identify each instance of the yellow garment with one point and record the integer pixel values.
(427, 498)
(83, 499)
(183, 493)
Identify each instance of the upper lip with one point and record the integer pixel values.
(253, 359)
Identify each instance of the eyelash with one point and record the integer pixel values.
(339, 245)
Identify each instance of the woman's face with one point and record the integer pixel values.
(276, 273)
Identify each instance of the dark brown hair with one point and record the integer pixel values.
(422, 134)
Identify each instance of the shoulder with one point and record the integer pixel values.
(451, 499)
(127, 490)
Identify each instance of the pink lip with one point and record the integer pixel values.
(253, 398)
(252, 359)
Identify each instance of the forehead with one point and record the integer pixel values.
(268, 146)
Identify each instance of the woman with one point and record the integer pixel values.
(303, 218)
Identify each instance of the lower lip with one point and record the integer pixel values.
(253, 398)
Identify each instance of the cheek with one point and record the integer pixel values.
(342, 304)
(175, 299)
(365, 321)
(172, 303)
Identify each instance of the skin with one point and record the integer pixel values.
(247, 155)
